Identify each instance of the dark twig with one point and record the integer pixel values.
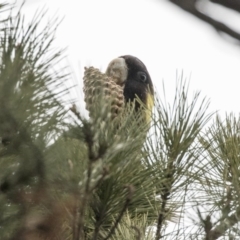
(207, 224)
(138, 235)
(221, 228)
(104, 174)
(213, 233)
(165, 197)
(190, 6)
(161, 216)
(92, 157)
(84, 200)
(100, 217)
(127, 202)
(232, 4)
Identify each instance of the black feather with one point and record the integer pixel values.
(138, 82)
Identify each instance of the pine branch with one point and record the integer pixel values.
(31, 115)
(120, 216)
(223, 173)
(174, 149)
(223, 226)
(31, 153)
(92, 157)
(190, 7)
(232, 4)
(138, 235)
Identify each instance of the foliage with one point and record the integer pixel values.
(31, 114)
(67, 177)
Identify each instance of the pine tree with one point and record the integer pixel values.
(67, 177)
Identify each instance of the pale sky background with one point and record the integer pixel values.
(163, 36)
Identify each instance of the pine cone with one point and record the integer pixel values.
(98, 89)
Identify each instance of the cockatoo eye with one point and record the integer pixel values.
(142, 76)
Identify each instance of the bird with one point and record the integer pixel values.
(125, 81)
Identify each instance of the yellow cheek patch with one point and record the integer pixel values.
(149, 106)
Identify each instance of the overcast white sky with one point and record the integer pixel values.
(164, 37)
